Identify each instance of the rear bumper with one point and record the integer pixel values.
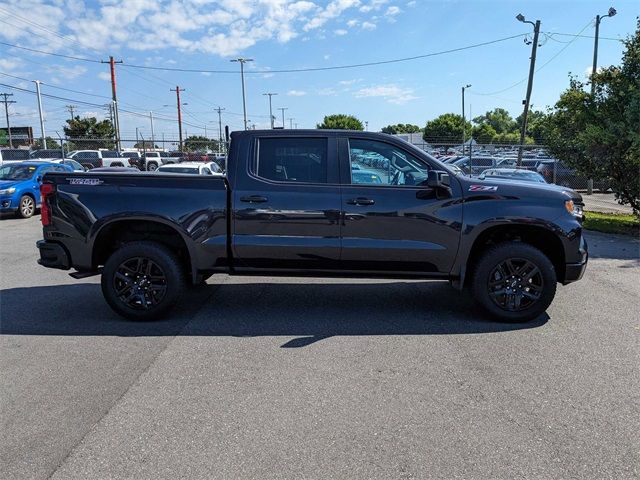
(53, 255)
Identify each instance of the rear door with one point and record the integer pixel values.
(286, 203)
(392, 221)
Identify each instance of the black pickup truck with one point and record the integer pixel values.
(314, 203)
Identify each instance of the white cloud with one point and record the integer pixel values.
(222, 28)
(391, 11)
(368, 26)
(104, 76)
(326, 56)
(326, 92)
(296, 93)
(340, 32)
(350, 82)
(373, 5)
(8, 65)
(391, 93)
(352, 23)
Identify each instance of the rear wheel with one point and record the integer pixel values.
(514, 281)
(27, 206)
(152, 166)
(142, 280)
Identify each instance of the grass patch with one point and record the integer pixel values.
(612, 223)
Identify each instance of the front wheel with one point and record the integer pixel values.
(152, 166)
(27, 206)
(514, 281)
(142, 280)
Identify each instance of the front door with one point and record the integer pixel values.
(286, 206)
(393, 222)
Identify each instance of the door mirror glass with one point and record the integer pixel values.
(437, 179)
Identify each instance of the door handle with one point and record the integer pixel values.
(254, 199)
(361, 201)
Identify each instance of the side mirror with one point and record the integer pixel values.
(437, 179)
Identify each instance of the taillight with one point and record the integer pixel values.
(46, 190)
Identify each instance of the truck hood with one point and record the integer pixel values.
(518, 188)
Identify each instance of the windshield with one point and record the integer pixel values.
(17, 172)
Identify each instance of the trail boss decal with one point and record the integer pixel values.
(85, 181)
(483, 188)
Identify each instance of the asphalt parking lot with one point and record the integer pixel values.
(317, 378)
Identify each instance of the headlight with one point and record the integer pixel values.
(7, 191)
(574, 209)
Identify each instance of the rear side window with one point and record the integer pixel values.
(299, 160)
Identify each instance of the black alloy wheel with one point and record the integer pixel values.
(515, 284)
(140, 283)
(513, 281)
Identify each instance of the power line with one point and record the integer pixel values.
(287, 70)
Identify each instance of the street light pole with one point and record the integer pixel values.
(153, 137)
(610, 13)
(464, 119)
(242, 61)
(219, 110)
(270, 109)
(283, 109)
(532, 66)
(44, 138)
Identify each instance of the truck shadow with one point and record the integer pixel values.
(310, 311)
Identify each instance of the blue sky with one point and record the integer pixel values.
(295, 34)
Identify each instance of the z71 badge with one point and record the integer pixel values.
(483, 188)
(85, 181)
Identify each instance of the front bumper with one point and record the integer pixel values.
(575, 271)
(8, 204)
(53, 255)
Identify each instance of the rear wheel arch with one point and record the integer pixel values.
(117, 233)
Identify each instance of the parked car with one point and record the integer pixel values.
(192, 168)
(365, 177)
(475, 165)
(512, 174)
(97, 158)
(567, 176)
(285, 208)
(49, 154)
(115, 170)
(13, 155)
(75, 166)
(20, 185)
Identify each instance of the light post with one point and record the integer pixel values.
(366, 126)
(610, 13)
(532, 66)
(242, 61)
(283, 109)
(464, 125)
(270, 109)
(44, 138)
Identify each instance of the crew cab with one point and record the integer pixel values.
(289, 206)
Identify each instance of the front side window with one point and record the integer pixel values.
(380, 163)
(299, 160)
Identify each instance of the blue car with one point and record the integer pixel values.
(20, 185)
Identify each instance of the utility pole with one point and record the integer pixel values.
(291, 123)
(610, 13)
(177, 90)
(6, 111)
(114, 98)
(270, 109)
(44, 138)
(532, 67)
(283, 109)
(71, 108)
(242, 61)
(464, 120)
(153, 136)
(296, 126)
(366, 125)
(220, 144)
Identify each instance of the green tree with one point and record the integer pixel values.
(499, 119)
(512, 138)
(198, 143)
(90, 134)
(447, 129)
(401, 128)
(484, 133)
(51, 143)
(599, 135)
(535, 125)
(143, 145)
(341, 122)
